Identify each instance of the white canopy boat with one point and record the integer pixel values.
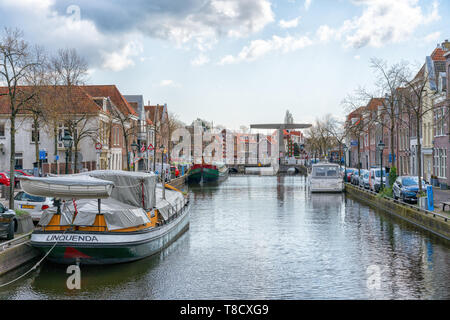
(110, 217)
(325, 177)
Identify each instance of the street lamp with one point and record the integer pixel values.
(163, 172)
(67, 141)
(381, 146)
(345, 162)
(134, 147)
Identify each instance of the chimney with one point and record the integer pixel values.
(446, 45)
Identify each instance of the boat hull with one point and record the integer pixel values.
(210, 175)
(194, 175)
(109, 247)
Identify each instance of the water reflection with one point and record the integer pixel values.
(269, 238)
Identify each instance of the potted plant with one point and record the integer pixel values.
(422, 200)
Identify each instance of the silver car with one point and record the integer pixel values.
(361, 178)
(32, 204)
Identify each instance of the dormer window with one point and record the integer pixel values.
(442, 82)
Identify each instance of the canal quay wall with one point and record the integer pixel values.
(428, 220)
(178, 182)
(16, 252)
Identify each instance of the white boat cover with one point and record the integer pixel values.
(174, 201)
(67, 187)
(128, 186)
(117, 214)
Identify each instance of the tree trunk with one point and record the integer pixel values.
(36, 140)
(75, 158)
(359, 158)
(392, 141)
(125, 139)
(12, 161)
(55, 134)
(419, 154)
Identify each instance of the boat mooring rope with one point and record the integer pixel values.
(34, 267)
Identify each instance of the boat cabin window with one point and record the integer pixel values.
(325, 171)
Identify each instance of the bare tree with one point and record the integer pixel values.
(389, 79)
(128, 126)
(173, 123)
(413, 98)
(71, 71)
(16, 61)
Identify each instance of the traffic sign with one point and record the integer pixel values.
(150, 147)
(42, 154)
(98, 146)
(143, 148)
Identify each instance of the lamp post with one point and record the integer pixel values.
(163, 172)
(381, 146)
(68, 141)
(345, 162)
(134, 147)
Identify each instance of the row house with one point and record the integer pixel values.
(432, 129)
(441, 101)
(92, 116)
(159, 117)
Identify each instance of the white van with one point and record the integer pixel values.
(375, 179)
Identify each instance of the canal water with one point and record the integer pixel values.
(254, 237)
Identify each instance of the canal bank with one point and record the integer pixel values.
(266, 237)
(428, 220)
(16, 252)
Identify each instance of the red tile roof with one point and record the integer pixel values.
(151, 110)
(114, 94)
(438, 55)
(374, 103)
(78, 101)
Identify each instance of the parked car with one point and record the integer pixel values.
(355, 177)
(7, 222)
(348, 174)
(17, 174)
(4, 178)
(34, 205)
(364, 182)
(375, 179)
(406, 188)
(30, 172)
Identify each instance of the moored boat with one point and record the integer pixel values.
(194, 175)
(208, 173)
(214, 172)
(326, 177)
(135, 221)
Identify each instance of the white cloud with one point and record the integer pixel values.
(325, 33)
(200, 60)
(432, 37)
(107, 41)
(121, 59)
(382, 22)
(357, 57)
(307, 4)
(168, 83)
(259, 48)
(289, 23)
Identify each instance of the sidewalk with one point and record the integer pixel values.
(438, 197)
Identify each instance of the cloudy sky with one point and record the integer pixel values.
(235, 62)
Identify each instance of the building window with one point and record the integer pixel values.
(444, 163)
(2, 129)
(33, 133)
(19, 161)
